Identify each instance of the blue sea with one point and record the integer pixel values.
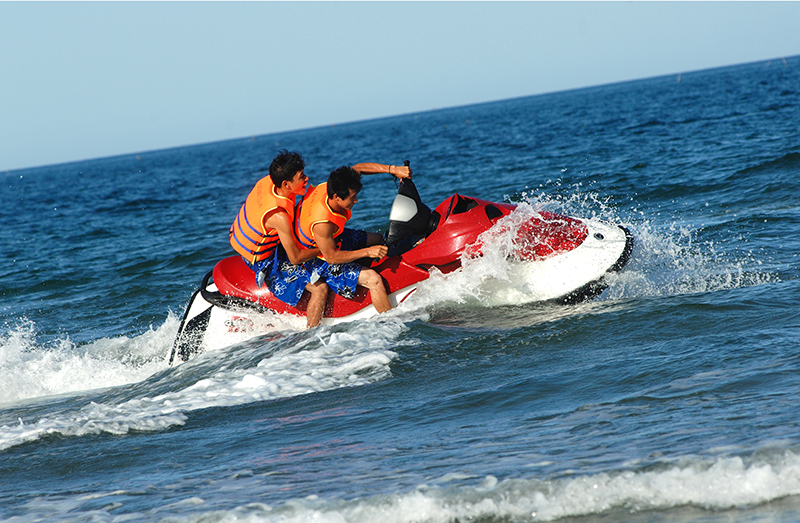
(672, 397)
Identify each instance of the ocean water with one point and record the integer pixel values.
(672, 397)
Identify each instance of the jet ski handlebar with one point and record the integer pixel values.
(408, 214)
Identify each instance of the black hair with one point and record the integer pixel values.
(285, 166)
(342, 180)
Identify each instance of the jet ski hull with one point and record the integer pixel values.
(555, 258)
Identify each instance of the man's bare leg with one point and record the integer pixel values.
(377, 290)
(316, 304)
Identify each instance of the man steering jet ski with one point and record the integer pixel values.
(320, 225)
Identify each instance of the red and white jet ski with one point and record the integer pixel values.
(563, 259)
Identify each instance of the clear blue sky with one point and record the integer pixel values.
(87, 80)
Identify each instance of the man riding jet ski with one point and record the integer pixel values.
(560, 259)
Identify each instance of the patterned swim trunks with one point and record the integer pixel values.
(284, 279)
(341, 277)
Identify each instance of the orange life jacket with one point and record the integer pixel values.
(314, 210)
(249, 234)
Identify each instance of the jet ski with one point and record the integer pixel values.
(560, 259)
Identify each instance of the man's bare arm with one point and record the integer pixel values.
(323, 235)
(400, 171)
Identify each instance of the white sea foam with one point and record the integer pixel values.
(355, 357)
(725, 483)
(31, 369)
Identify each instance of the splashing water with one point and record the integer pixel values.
(258, 370)
(665, 262)
(30, 369)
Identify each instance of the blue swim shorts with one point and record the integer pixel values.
(341, 277)
(284, 279)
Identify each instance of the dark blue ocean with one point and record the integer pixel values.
(671, 397)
